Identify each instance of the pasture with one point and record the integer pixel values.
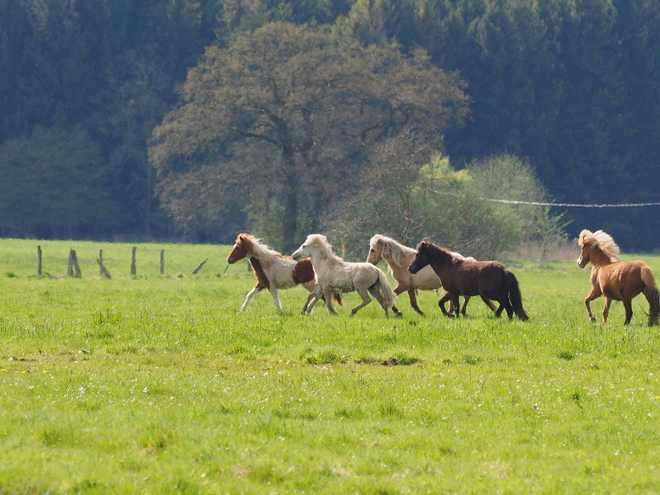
(151, 384)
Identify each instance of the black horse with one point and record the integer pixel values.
(488, 279)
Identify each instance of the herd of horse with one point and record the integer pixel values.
(430, 267)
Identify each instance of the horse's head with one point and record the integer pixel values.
(375, 250)
(597, 248)
(305, 250)
(421, 257)
(315, 244)
(583, 259)
(240, 250)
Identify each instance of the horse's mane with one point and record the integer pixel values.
(601, 240)
(322, 243)
(434, 247)
(255, 247)
(392, 248)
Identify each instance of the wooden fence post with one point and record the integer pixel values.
(133, 266)
(39, 261)
(162, 262)
(73, 265)
(196, 270)
(102, 269)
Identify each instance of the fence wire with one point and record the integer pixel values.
(572, 205)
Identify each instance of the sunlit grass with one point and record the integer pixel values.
(153, 384)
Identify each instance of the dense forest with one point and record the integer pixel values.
(88, 87)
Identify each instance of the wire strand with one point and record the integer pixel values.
(573, 205)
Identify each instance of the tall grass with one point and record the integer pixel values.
(153, 384)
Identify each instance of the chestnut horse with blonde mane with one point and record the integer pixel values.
(335, 276)
(488, 279)
(398, 257)
(272, 269)
(616, 280)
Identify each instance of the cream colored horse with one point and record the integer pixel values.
(398, 258)
(336, 276)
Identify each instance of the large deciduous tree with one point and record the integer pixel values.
(286, 117)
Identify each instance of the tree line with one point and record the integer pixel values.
(90, 89)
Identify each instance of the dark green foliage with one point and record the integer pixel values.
(569, 85)
(49, 186)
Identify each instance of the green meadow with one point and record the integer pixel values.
(156, 384)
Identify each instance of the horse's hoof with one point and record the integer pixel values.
(593, 319)
(399, 314)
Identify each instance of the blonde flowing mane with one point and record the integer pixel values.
(392, 250)
(321, 242)
(256, 248)
(601, 240)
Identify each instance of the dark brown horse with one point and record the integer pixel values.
(272, 269)
(614, 279)
(488, 279)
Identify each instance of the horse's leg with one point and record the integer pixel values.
(276, 297)
(413, 301)
(465, 303)
(455, 304)
(373, 290)
(488, 303)
(327, 295)
(257, 288)
(364, 294)
(594, 294)
(314, 299)
(509, 309)
(504, 305)
(441, 304)
(397, 290)
(315, 295)
(627, 303)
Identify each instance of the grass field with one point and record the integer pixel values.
(150, 384)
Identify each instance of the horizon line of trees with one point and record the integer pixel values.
(570, 87)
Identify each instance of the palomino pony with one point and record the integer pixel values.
(614, 279)
(488, 279)
(398, 258)
(335, 276)
(272, 269)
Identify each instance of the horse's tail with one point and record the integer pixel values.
(385, 289)
(652, 295)
(513, 290)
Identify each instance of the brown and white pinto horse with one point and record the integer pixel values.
(616, 280)
(272, 269)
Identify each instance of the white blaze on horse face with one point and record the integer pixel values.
(580, 262)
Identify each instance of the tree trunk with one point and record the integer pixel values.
(290, 220)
